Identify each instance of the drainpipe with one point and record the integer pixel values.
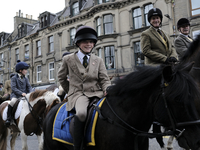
(9, 49)
(173, 16)
(32, 68)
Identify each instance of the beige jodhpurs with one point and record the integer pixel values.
(13, 100)
(81, 107)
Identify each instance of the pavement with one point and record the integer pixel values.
(33, 144)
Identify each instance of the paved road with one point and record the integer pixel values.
(33, 144)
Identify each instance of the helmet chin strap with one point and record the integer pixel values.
(85, 52)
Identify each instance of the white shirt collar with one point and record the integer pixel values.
(19, 75)
(184, 34)
(156, 28)
(81, 55)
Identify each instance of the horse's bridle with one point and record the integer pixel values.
(175, 132)
(36, 117)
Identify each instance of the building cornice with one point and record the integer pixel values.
(91, 12)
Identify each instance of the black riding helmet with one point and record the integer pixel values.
(155, 12)
(181, 22)
(85, 33)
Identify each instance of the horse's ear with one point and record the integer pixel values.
(188, 67)
(168, 73)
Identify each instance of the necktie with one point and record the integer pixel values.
(159, 31)
(85, 63)
(190, 39)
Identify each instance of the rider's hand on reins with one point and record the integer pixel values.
(23, 94)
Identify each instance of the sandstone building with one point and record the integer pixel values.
(119, 24)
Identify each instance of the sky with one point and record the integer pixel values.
(9, 8)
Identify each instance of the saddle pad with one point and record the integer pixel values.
(17, 112)
(63, 135)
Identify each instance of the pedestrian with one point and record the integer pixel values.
(155, 43)
(20, 87)
(87, 79)
(1, 90)
(183, 41)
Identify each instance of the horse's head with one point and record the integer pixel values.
(48, 96)
(175, 107)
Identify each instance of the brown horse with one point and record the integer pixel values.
(34, 108)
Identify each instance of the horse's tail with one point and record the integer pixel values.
(3, 139)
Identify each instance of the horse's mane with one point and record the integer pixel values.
(193, 49)
(52, 87)
(136, 81)
(146, 79)
(36, 94)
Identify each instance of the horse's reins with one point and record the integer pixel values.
(137, 132)
(39, 120)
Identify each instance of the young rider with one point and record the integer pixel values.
(20, 87)
(87, 78)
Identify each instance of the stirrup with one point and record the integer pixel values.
(8, 123)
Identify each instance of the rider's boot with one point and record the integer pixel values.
(78, 133)
(9, 116)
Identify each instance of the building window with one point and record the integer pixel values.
(75, 9)
(146, 10)
(45, 21)
(17, 54)
(139, 57)
(51, 71)
(110, 57)
(26, 52)
(99, 52)
(195, 34)
(100, 1)
(108, 24)
(98, 21)
(28, 74)
(195, 7)
(21, 30)
(42, 22)
(1, 41)
(1, 78)
(51, 45)
(1, 59)
(39, 74)
(72, 36)
(137, 18)
(38, 44)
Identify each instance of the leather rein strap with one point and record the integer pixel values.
(137, 132)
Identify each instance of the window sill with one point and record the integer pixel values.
(114, 35)
(70, 47)
(50, 53)
(38, 56)
(26, 59)
(131, 32)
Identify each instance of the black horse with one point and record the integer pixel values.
(191, 57)
(165, 94)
